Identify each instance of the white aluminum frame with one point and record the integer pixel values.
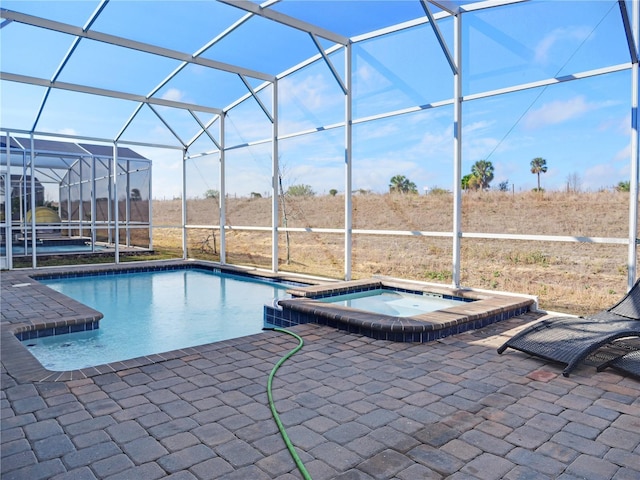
(32, 165)
(450, 10)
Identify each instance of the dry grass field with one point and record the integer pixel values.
(572, 277)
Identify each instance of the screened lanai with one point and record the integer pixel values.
(60, 198)
(283, 134)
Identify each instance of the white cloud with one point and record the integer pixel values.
(624, 125)
(312, 92)
(559, 35)
(67, 131)
(478, 143)
(173, 94)
(377, 130)
(623, 154)
(434, 144)
(557, 112)
(602, 175)
(475, 126)
(368, 79)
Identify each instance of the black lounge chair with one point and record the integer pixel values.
(570, 340)
(627, 363)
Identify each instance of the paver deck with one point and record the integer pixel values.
(354, 407)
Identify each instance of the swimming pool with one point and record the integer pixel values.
(153, 312)
(51, 249)
(392, 302)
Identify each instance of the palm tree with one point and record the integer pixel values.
(401, 184)
(538, 166)
(483, 171)
(624, 186)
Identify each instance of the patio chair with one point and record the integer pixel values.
(628, 363)
(570, 340)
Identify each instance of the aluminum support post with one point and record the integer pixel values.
(93, 203)
(633, 194)
(8, 214)
(150, 226)
(32, 187)
(457, 149)
(275, 184)
(222, 201)
(348, 160)
(184, 204)
(116, 207)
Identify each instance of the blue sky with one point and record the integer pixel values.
(582, 128)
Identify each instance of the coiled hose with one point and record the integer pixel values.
(272, 406)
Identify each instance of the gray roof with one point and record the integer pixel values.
(55, 154)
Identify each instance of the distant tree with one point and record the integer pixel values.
(256, 195)
(574, 182)
(333, 192)
(474, 183)
(503, 186)
(538, 166)
(465, 181)
(624, 186)
(285, 218)
(300, 190)
(135, 195)
(483, 171)
(401, 184)
(211, 193)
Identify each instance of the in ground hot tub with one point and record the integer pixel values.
(396, 310)
(387, 301)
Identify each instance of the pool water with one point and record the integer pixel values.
(153, 312)
(392, 302)
(50, 249)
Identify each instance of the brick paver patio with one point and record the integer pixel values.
(354, 407)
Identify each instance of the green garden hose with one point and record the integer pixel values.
(274, 412)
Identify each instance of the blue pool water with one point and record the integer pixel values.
(155, 312)
(393, 303)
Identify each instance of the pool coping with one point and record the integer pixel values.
(31, 306)
(480, 309)
(28, 306)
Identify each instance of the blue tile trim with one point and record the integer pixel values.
(365, 288)
(161, 268)
(288, 317)
(60, 330)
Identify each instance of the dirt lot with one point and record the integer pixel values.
(573, 277)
